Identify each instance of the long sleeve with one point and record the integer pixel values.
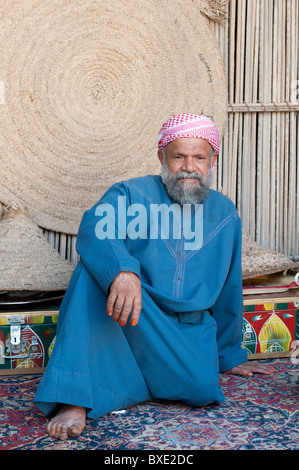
(105, 258)
(228, 310)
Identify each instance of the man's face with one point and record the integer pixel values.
(186, 170)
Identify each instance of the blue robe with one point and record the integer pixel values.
(191, 320)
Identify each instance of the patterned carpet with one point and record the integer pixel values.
(259, 413)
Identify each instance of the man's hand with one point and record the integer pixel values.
(124, 298)
(249, 368)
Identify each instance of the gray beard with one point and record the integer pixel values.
(185, 193)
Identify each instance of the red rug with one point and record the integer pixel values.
(259, 413)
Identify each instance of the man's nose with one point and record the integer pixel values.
(188, 165)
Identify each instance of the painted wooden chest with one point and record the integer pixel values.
(270, 325)
(27, 338)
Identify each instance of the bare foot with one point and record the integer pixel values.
(69, 422)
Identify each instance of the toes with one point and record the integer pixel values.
(69, 422)
(63, 433)
(51, 429)
(48, 427)
(57, 431)
(74, 431)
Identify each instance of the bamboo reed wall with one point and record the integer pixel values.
(259, 161)
(258, 166)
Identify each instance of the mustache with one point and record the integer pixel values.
(185, 174)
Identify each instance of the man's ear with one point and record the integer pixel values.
(160, 156)
(214, 158)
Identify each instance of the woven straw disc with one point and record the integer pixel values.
(88, 85)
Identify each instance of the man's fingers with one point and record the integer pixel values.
(239, 370)
(124, 298)
(136, 311)
(110, 303)
(250, 368)
(120, 309)
(261, 368)
(126, 310)
(115, 305)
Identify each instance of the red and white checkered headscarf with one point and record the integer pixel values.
(189, 125)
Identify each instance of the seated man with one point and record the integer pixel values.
(154, 308)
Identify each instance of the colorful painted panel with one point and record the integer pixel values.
(269, 330)
(36, 339)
